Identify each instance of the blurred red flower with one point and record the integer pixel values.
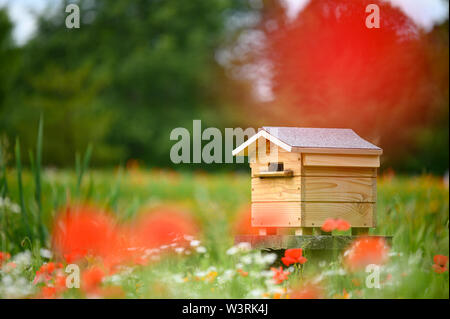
(162, 226)
(82, 230)
(279, 275)
(440, 260)
(308, 291)
(365, 251)
(4, 257)
(293, 256)
(242, 222)
(335, 224)
(45, 272)
(48, 292)
(91, 279)
(440, 263)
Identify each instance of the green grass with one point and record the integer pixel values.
(415, 210)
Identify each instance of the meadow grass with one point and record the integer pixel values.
(413, 209)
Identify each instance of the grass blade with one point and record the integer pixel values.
(37, 178)
(21, 195)
(82, 167)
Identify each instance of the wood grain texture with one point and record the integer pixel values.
(276, 189)
(276, 214)
(339, 171)
(280, 156)
(285, 173)
(338, 189)
(357, 214)
(288, 165)
(341, 160)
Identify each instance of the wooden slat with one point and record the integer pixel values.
(341, 160)
(276, 214)
(338, 189)
(263, 174)
(281, 156)
(357, 214)
(276, 189)
(288, 165)
(339, 171)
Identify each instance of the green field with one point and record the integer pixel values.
(414, 210)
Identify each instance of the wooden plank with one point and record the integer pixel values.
(329, 150)
(338, 189)
(279, 156)
(285, 173)
(276, 214)
(341, 160)
(276, 189)
(357, 214)
(339, 171)
(293, 166)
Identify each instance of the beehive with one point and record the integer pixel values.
(307, 175)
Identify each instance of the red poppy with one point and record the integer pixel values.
(293, 256)
(342, 225)
(45, 272)
(440, 260)
(329, 225)
(309, 291)
(4, 257)
(279, 275)
(242, 272)
(440, 263)
(84, 230)
(439, 269)
(162, 227)
(91, 279)
(48, 292)
(242, 222)
(365, 251)
(335, 224)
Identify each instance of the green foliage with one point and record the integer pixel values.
(131, 73)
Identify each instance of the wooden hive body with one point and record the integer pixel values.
(302, 187)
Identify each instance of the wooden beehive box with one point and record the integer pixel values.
(307, 175)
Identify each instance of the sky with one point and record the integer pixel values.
(425, 13)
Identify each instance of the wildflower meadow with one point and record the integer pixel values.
(140, 233)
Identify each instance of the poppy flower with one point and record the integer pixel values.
(293, 256)
(83, 230)
(45, 272)
(335, 224)
(342, 225)
(48, 292)
(308, 291)
(242, 272)
(242, 223)
(91, 279)
(279, 275)
(162, 226)
(4, 257)
(440, 264)
(365, 251)
(440, 260)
